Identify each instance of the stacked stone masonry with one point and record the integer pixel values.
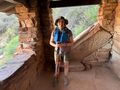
(106, 16)
(46, 27)
(28, 26)
(116, 42)
(94, 49)
(31, 39)
(108, 47)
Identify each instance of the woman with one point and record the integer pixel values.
(61, 39)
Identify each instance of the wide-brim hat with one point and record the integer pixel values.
(59, 18)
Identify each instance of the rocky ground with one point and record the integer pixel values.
(97, 78)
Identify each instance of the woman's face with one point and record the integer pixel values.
(61, 24)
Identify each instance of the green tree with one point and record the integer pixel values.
(10, 48)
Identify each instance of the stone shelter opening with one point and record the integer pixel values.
(8, 37)
(79, 17)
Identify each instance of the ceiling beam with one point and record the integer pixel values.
(12, 1)
(65, 3)
(25, 2)
(5, 6)
(21, 1)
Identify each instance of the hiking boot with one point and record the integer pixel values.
(55, 81)
(66, 81)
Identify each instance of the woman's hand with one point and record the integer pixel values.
(58, 45)
(63, 45)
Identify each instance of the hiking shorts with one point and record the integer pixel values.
(64, 56)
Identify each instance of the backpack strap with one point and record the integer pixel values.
(56, 35)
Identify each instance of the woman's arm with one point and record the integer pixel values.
(71, 42)
(52, 40)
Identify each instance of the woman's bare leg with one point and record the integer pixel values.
(66, 68)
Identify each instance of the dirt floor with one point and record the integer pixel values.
(98, 78)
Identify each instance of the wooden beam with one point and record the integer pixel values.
(12, 1)
(65, 3)
(6, 6)
(21, 1)
(10, 10)
(24, 2)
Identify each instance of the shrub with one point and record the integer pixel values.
(10, 48)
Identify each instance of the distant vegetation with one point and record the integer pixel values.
(80, 17)
(8, 36)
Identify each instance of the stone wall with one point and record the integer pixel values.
(94, 47)
(106, 16)
(109, 18)
(97, 46)
(115, 59)
(28, 26)
(30, 36)
(24, 78)
(105, 44)
(31, 39)
(46, 27)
